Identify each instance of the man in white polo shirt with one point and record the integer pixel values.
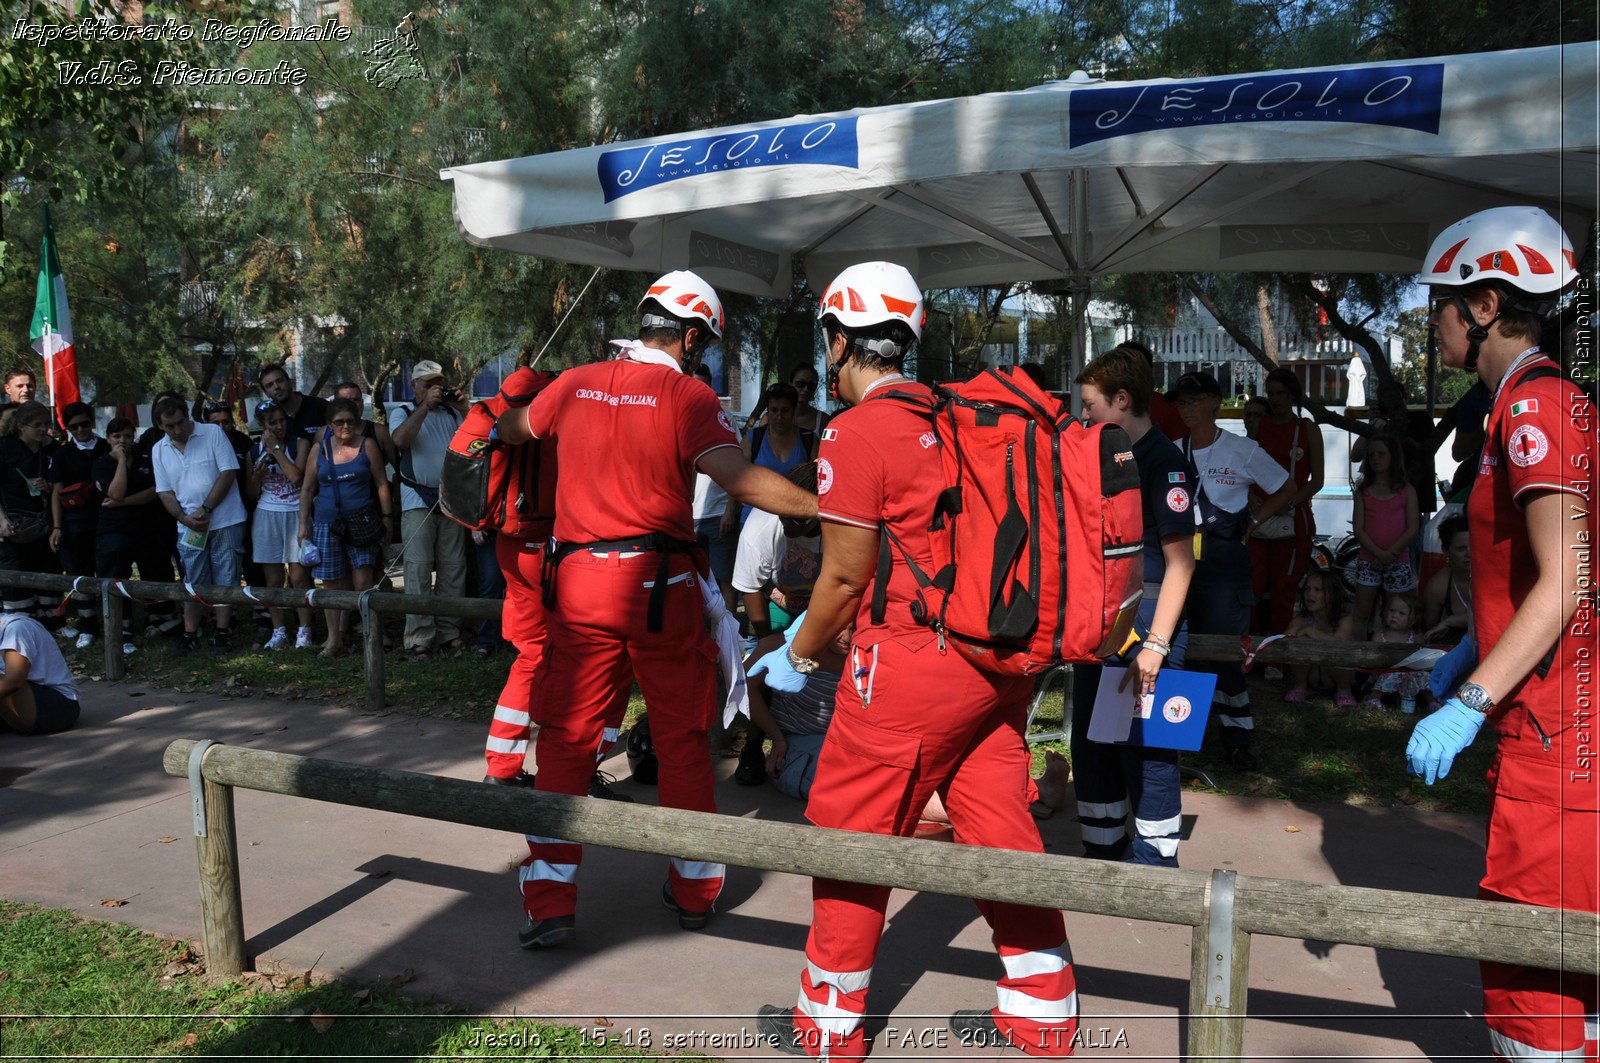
(196, 472)
(435, 545)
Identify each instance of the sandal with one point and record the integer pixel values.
(1295, 695)
(1344, 700)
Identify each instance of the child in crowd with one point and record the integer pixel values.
(1320, 615)
(1386, 520)
(1401, 609)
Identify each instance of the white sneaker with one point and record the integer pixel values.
(128, 649)
(85, 640)
(279, 639)
(68, 632)
(302, 639)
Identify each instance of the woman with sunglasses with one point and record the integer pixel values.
(274, 468)
(806, 415)
(24, 492)
(343, 476)
(75, 508)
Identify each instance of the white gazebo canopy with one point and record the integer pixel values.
(1331, 169)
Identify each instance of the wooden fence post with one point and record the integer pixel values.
(1219, 976)
(111, 612)
(217, 850)
(372, 654)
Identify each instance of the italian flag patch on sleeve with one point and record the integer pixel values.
(1525, 406)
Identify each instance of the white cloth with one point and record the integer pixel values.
(730, 650)
(1230, 466)
(766, 555)
(426, 450)
(190, 474)
(46, 666)
(710, 500)
(635, 351)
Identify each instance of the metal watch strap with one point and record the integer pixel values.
(803, 665)
(1474, 697)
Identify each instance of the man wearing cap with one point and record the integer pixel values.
(435, 545)
(1220, 597)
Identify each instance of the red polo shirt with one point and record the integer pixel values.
(879, 461)
(628, 435)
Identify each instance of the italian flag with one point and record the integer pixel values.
(52, 324)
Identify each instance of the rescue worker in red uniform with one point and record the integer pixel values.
(620, 588)
(1530, 670)
(912, 718)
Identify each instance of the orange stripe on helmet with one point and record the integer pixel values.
(1445, 260)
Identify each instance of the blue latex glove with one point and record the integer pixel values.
(794, 628)
(1448, 672)
(1440, 738)
(780, 673)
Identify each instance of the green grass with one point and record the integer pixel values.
(72, 987)
(1310, 752)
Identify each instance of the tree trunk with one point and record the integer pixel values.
(1269, 331)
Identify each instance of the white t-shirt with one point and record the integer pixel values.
(427, 449)
(46, 666)
(192, 472)
(710, 500)
(1231, 465)
(767, 555)
(279, 494)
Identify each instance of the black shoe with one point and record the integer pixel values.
(686, 919)
(600, 786)
(975, 1028)
(548, 933)
(521, 778)
(222, 640)
(777, 1026)
(750, 772)
(1242, 760)
(188, 642)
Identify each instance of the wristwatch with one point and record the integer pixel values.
(803, 665)
(1475, 698)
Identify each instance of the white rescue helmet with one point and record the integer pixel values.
(1521, 247)
(872, 294)
(687, 297)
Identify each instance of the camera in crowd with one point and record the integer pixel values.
(451, 395)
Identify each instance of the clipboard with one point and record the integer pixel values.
(1173, 717)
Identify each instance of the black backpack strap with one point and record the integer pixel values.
(758, 435)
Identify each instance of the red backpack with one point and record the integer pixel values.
(489, 485)
(1038, 536)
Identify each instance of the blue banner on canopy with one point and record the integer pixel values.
(828, 143)
(1408, 96)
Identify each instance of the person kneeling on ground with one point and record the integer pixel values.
(37, 693)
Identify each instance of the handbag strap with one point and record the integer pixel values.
(333, 471)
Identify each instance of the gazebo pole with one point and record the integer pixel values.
(1079, 280)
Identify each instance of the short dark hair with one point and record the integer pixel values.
(1451, 527)
(804, 476)
(348, 384)
(268, 368)
(1141, 350)
(165, 407)
(20, 370)
(1122, 368)
(781, 391)
(75, 409)
(120, 424)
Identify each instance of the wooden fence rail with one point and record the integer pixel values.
(1224, 908)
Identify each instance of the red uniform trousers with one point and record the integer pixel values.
(1277, 566)
(523, 624)
(1542, 853)
(598, 642)
(909, 721)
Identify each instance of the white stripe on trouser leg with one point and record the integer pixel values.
(515, 717)
(830, 1018)
(1506, 1048)
(610, 734)
(1160, 834)
(1233, 701)
(1106, 810)
(1243, 723)
(1032, 964)
(698, 869)
(1102, 835)
(845, 981)
(1022, 1006)
(506, 745)
(544, 871)
(1591, 1027)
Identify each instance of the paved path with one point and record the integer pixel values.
(368, 894)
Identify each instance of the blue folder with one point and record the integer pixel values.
(1178, 710)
